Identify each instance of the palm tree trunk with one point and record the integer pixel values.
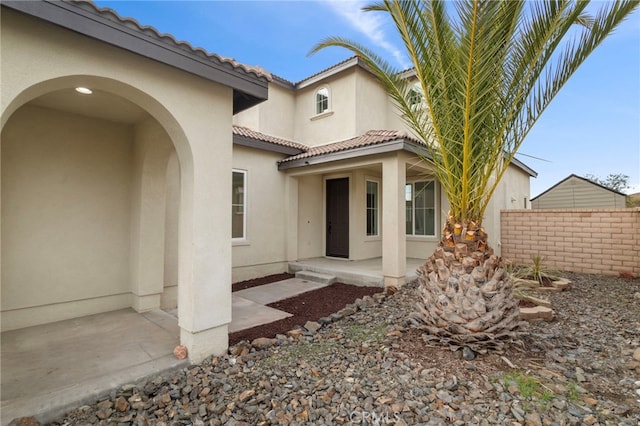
(466, 295)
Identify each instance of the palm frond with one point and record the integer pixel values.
(487, 70)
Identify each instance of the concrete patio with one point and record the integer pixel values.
(51, 368)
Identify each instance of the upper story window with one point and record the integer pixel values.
(239, 205)
(421, 208)
(322, 100)
(416, 98)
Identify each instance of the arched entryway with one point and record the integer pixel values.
(83, 196)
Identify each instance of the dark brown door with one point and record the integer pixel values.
(338, 217)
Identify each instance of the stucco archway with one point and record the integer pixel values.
(74, 246)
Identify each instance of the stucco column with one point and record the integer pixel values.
(152, 148)
(204, 269)
(291, 202)
(394, 248)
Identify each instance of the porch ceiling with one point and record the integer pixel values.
(99, 104)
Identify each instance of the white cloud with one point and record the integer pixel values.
(370, 24)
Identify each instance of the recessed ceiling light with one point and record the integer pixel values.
(84, 90)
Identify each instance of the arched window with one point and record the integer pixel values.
(322, 100)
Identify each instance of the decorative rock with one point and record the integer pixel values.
(295, 333)
(121, 404)
(263, 342)
(468, 354)
(636, 354)
(246, 395)
(374, 362)
(25, 421)
(180, 352)
(562, 284)
(537, 312)
(325, 320)
(533, 419)
(312, 326)
(636, 295)
(348, 311)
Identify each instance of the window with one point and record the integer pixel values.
(416, 99)
(322, 100)
(372, 208)
(420, 208)
(239, 205)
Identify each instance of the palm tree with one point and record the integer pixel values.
(486, 70)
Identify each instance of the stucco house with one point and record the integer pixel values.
(177, 176)
(575, 192)
(355, 189)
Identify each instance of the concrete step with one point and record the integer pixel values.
(316, 277)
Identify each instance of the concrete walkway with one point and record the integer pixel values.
(248, 308)
(51, 368)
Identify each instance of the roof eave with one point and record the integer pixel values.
(382, 148)
(349, 63)
(264, 145)
(249, 89)
(524, 167)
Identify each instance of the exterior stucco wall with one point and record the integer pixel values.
(169, 298)
(310, 217)
(363, 246)
(66, 184)
(510, 194)
(334, 125)
(152, 149)
(372, 104)
(273, 117)
(263, 251)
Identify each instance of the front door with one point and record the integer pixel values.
(338, 217)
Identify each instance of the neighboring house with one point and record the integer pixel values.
(176, 178)
(577, 192)
(633, 200)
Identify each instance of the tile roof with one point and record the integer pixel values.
(149, 31)
(353, 59)
(372, 137)
(252, 134)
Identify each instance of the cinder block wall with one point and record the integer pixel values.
(592, 241)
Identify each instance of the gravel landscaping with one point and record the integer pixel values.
(365, 365)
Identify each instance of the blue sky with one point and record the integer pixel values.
(592, 127)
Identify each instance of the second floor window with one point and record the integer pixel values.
(416, 99)
(322, 100)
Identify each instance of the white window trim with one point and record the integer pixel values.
(242, 240)
(436, 209)
(379, 233)
(418, 105)
(329, 111)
